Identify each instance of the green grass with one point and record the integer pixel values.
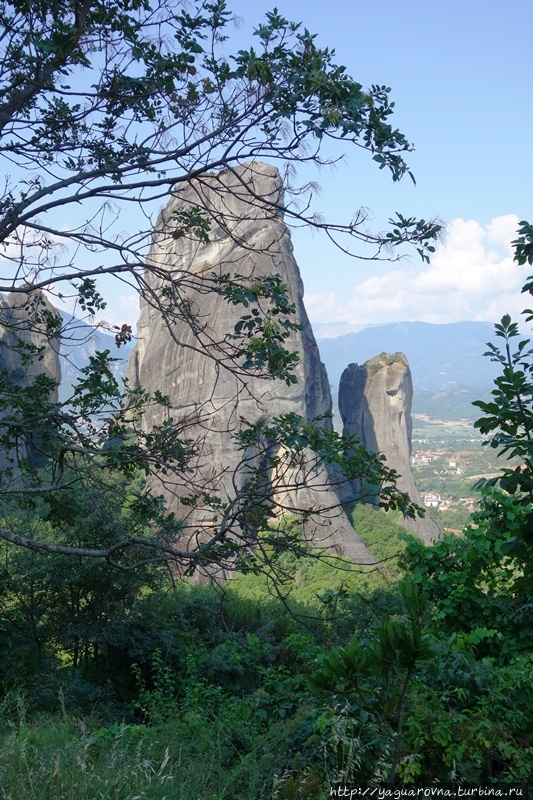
(311, 579)
(59, 759)
(214, 757)
(382, 534)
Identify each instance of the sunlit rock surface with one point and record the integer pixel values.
(375, 404)
(248, 237)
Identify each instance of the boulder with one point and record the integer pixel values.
(375, 402)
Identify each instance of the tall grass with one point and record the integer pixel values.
(57, 757)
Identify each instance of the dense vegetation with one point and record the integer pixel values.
(126, 687)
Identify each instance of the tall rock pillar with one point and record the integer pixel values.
(186, 360)
(26, 351)
(22, 331)
(375, 402)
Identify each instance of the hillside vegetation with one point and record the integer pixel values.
(120, 688)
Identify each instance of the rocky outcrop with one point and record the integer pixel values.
(27, 350)
(189, 361)
(375, 404)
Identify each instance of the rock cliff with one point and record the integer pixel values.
(26, 350)
(21, 332)
(187, 360)
(375, 404)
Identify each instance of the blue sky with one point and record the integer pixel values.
(461, 77)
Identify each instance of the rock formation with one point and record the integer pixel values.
(375, 404)
(22, 332)
(26, 351)
(188, 360)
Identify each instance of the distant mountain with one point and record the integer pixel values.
(80, 341)
(447, 363)
(331, 330)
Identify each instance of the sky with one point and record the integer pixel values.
(462, 83)
(461, 77)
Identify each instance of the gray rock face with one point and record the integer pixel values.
(20, 327)
(375, 404)
(189, 362)
(22, 332)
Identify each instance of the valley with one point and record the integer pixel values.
(448, 459)
(449, 372)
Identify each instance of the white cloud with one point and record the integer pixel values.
(121, 310)
(472, 276)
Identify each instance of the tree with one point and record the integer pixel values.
(107, 107)
(508, 420)
(62, 604)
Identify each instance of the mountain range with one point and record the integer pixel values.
(80, 341)
(446, 361)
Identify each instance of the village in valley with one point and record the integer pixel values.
(448, 460)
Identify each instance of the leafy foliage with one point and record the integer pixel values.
(442, 701)
(509, 421)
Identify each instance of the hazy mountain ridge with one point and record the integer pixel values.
(79, 342)
(441, 357)
(446, 361)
